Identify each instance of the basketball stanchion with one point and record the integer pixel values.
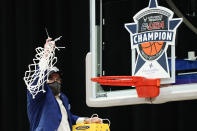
(146, 87)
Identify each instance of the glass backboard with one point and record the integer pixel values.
(112, 53)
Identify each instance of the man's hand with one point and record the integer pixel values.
(48, 45)
(93, 120)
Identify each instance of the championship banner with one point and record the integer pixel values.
(153, 30)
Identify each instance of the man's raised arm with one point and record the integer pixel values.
(35, 78)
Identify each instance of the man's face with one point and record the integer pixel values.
(54, 83)
(54, 77)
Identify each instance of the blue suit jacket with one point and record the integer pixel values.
(44, 113)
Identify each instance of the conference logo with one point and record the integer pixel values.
(82, 127)
(153, 31)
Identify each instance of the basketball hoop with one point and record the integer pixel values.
(146, 88)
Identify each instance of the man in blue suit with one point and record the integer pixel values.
(50, 111)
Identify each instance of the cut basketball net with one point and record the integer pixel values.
(146, 88)
(43, 62)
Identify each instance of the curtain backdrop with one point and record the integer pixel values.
(22, 29)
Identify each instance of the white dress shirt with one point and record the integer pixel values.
(64, 125)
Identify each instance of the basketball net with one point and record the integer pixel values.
(37, 72)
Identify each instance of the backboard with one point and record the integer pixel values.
(140, 43)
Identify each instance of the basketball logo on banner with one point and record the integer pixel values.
(151, 34)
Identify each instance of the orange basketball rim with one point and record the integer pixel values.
(146, 88)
